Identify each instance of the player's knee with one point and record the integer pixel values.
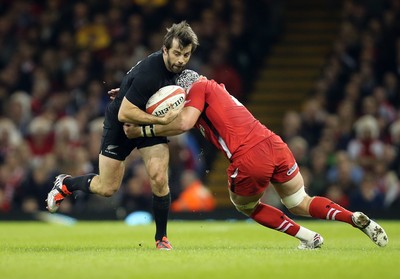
(108, 192)
(158, 179)
(294, 199)
(104, 186)
(247, 208)
(159, 184)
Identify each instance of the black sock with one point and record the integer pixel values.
(79, 182)
(160, 211)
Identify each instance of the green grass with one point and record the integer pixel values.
(201, 250)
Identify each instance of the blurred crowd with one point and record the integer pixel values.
(58, 59)
(346, 138)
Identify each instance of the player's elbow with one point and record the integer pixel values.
(122, 117)
(183, 129)
(185, 126)
(188, 118)
(127, 111)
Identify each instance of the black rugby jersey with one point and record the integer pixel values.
(144, 79)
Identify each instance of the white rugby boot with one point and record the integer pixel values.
(314, 243)
(374, 231)
(57, 194)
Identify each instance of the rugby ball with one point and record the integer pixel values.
(158, 104)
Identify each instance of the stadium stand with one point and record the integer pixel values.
(323, 74)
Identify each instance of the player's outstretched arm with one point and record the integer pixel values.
(171, 114)
(130, 113)
(184, 122)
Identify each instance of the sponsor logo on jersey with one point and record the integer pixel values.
(292, 169)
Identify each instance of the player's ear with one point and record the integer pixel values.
(164, 50)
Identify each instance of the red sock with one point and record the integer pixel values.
(324, 208)
(273, 218)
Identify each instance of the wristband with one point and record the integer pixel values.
(148, 131)
(152, 130)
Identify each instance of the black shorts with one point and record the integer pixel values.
(115, 144)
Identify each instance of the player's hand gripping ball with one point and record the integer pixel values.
(159, 102)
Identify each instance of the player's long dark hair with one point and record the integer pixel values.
(184, 33)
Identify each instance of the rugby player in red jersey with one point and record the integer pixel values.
(257, 157)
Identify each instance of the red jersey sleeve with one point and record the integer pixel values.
(224, 121)
(196, 96)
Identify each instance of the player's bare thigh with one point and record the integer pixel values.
(111, 172)
(289, 188)
(245, 204)
(244, 199)
(156, 159)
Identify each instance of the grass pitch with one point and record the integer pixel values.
(201, 250)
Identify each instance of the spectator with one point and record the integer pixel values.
(387, 183)
(366, 148)
(367, 196)
(19, 110)
(386, 111)
(136, 194)
(92, 141)
(223, 71)
(291, 125)
(346, 115)
(394, 136)
(313, 117)
(35, 185)
(41, 137)
(318, 168)
(338, 195)
(300, 150)
(195, 197)
(345, 173)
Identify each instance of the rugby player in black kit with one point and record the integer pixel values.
(143, 80)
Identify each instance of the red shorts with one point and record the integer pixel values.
(269, 160)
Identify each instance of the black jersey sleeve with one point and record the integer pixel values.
(142, 87)
(145, 78)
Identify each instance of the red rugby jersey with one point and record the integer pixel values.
(224, 120)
